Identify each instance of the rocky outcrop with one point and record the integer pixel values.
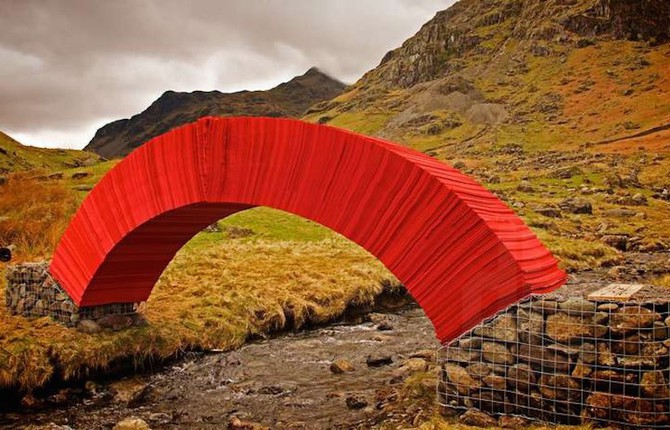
(436, 49)
(566, 358)
(647, 20)
(472, 28)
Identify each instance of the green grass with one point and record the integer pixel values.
(579, 254)
(15, 157)
(272, 224)
(366, 122)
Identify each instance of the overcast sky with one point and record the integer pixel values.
(69, 67)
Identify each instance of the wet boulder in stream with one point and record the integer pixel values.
(378, 360)
(132, 423)
(341, 366)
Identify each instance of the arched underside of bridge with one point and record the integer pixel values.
(461, 252)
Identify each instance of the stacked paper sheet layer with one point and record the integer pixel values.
(461, 252)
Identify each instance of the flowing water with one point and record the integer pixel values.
(282, 382)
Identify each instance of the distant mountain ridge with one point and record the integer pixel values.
(172, 109)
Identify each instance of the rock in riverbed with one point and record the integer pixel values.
(355, 401)
(238, 424)
(129, 391)
(132, 423)
(384, 326)
(416, 364)
(341, 366)
(378, 360)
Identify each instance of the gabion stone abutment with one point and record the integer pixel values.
(32, 292)
(584, 354)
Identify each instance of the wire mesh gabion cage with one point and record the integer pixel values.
(32, 292)
(579, 355)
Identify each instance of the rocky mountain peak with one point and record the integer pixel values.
(314, 71)
(172, 109)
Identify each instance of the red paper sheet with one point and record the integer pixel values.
(461, 252)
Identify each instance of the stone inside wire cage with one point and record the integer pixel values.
(32, 292)
(572, 357)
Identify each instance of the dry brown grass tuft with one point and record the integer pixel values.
(33, 215)
(663, 281)
(579, 254)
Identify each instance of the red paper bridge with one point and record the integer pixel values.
(461, 252)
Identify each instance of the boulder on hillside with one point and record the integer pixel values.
(576, 205)
(617, 241)
(549, 212)
(525, 187)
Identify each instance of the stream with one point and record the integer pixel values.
(281, 382)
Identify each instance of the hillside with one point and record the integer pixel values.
(15, 157)
(589, 71)
(173, 109)
(560, 107)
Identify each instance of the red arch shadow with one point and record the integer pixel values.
(461, 252)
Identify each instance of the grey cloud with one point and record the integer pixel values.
(67, 67)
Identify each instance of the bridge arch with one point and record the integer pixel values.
(461, 252)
